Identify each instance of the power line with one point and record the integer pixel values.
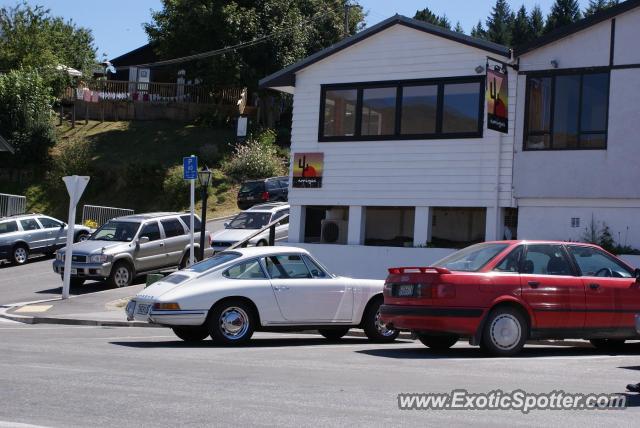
(221, 51)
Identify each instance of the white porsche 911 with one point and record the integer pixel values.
(237, 292)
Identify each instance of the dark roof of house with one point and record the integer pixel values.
(567, 30)
(286, 76)
(5, 146)
(142, 55)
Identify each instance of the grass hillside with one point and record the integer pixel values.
(134, 165)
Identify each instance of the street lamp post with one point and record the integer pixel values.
(204, 176)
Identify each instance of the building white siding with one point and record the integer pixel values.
(452, 172)
(626, 43)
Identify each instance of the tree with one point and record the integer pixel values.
(521, 32)
(427, 15)
(280, 32)
(536, 23)
(500, 23)
(563, 12)
(459, 28)
(31, 37)
(596, 6)
(478, 31)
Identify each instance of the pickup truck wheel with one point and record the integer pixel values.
(121, 275)
(20, 254)
(191, 334)
(82, 236)
(231, 322)
(334, 333)
(437, 343)
(608, 344)
(374, 328)
(505, 332)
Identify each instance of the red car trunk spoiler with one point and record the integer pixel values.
(430, 269)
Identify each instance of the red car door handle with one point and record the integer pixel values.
(594, 286)
(533, 284)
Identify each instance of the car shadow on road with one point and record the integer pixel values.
(553, 350)
(32, 259)
(88, 287)
(253, 343)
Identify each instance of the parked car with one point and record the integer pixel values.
(500, 294)
(235, 293)
(248, 222)
(275, 189)
(135, 244)
(22, 235)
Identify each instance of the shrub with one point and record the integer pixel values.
(257, 157)
(175, 189)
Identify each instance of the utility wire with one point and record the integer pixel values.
(221, 51)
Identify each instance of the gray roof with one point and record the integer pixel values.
(5, 146)
(287, 77)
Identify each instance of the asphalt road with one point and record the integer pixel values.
(87, 376)
(37, 281)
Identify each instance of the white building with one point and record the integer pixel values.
(398, 111)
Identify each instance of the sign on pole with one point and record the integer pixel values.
(498, 99)
(75, 187)
(243, 122)
(190, 167)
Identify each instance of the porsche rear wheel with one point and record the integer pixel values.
(191, 334)
(373, 326)
(231, 322)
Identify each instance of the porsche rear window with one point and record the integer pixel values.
(215, 261)
(471, 259)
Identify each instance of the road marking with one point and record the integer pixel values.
(33, 309)
(9, 424)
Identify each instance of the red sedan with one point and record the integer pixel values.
(501, 294)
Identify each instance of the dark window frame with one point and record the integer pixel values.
(399, 85)
(553, 74)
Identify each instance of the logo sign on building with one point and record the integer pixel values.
(190, 168)
(307, 170)
(497, 100)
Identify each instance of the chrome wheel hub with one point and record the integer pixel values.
(20, 255)
(506, 331)
(234, 323)
(382, 327)
(121, 276)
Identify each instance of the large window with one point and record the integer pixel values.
(423, 109)
(567, 111)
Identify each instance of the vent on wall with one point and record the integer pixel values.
(575, 221)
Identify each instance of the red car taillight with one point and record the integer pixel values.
(264, 196)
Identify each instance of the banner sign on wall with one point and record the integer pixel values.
(307, 170)
(497, 100)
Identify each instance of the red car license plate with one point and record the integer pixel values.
(405, 290)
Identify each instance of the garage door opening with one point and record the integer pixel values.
(326, 225)
(453, 227)
(389, 226)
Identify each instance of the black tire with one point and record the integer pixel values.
(185, 259)
(191, 334)
(373, 328)
(20, 254)
(81, 236)
(437, 343)
(118, 278)
(505, 332)
(334, 333)
(76, 282)
(608, 344)
(261, 243)
(231, 322)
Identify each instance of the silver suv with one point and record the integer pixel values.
(127, 246)
(21, 235)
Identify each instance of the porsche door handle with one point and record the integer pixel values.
(283, 288)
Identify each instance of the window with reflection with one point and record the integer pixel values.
(340, 112)
(461, 108)
(379, 111)
(419, 109)
(567, 111)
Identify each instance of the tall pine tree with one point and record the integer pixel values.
(478, 31)
(521, 33)
(536, 23)
(427, 16)
(500, 23)
(563, 12)
(596, 6)
(459, 28)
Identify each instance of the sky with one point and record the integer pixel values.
(117, 24)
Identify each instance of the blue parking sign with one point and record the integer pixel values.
(190, 168)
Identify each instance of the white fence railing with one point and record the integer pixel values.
(12, 204)
(97, 215)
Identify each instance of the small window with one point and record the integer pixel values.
(151, 231)
(29, 224)
(187, 221)
(8, 227)
(316, 271)
(49, 223)
(419, 109)
(247, 270)
(593, 262)
(379, 111)
(511, 263)
(461, 108)
(340, 112)
(575, 221)
(172, 227)
(289, 266)
(544, 259)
